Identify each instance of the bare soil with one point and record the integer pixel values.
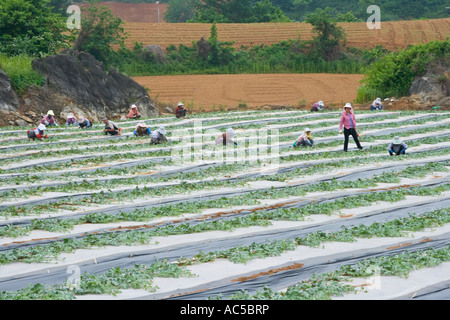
(240, 91)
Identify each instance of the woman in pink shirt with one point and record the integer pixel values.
(348, 121)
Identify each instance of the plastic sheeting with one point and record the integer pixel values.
(56, 274)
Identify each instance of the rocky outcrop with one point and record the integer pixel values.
(76, 82)
(9, 101)
(433, 88)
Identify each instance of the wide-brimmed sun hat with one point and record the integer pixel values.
(41, 127)
(307, 130)
(180, 104)
(162, 130)
(142, 125)
(230, 132)
(50, 112)
(397, 140)
(321, 103)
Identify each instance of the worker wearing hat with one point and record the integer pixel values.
(134, 113)
(317, 106)
(397, 147)
(305, 139)
(158, 136)
(348, 124)
(49, 119)
(180, 112)
(37, 133)
(377, 104)
(142, 130)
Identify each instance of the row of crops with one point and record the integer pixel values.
(89, 216)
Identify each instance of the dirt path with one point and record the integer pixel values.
(210, 92)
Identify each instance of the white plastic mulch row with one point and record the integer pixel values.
(219, 274)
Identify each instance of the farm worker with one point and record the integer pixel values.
(305, 139)
(180, 112)
(37, 133)
(377, 104)
(49, 119)
(111, 128)
(317, 106)
(71, 120)
(227, 137)
(158, 136)
(142, 130)
(397, 147)
(84, 123)
(348, 121)
(134, 113)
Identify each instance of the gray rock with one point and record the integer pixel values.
(78, 80)
(9, 101)
(154, 53)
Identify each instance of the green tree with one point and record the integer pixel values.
(179, 10)
(60, 6)
(237, 11)
(29, 27)
(100, 31)
(329, 36)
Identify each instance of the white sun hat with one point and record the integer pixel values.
(50, 112)
(397, 140)
(180, 104)
(41, 127)
(307, 130)
(321, 103)
(230, 132)
(162, 130)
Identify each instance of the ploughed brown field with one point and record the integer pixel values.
(210, 92)
(142, 25)
(392, 35)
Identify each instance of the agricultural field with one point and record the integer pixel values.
(212, 92)
(392, 35)
(87, 216)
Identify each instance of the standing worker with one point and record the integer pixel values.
(111, 128)
(305, 139)
(348, 121)
(397, 147)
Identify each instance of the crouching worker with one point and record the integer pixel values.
(84, 123)
(158, 136)
(377, 105)
(142, 130)
(317, 106)
(71, 120)
(111, 128)
(134, 113)
(397, 147)
(304, 140)
(227, 138)
(37, 133)
(49, 119)
(180, 112)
